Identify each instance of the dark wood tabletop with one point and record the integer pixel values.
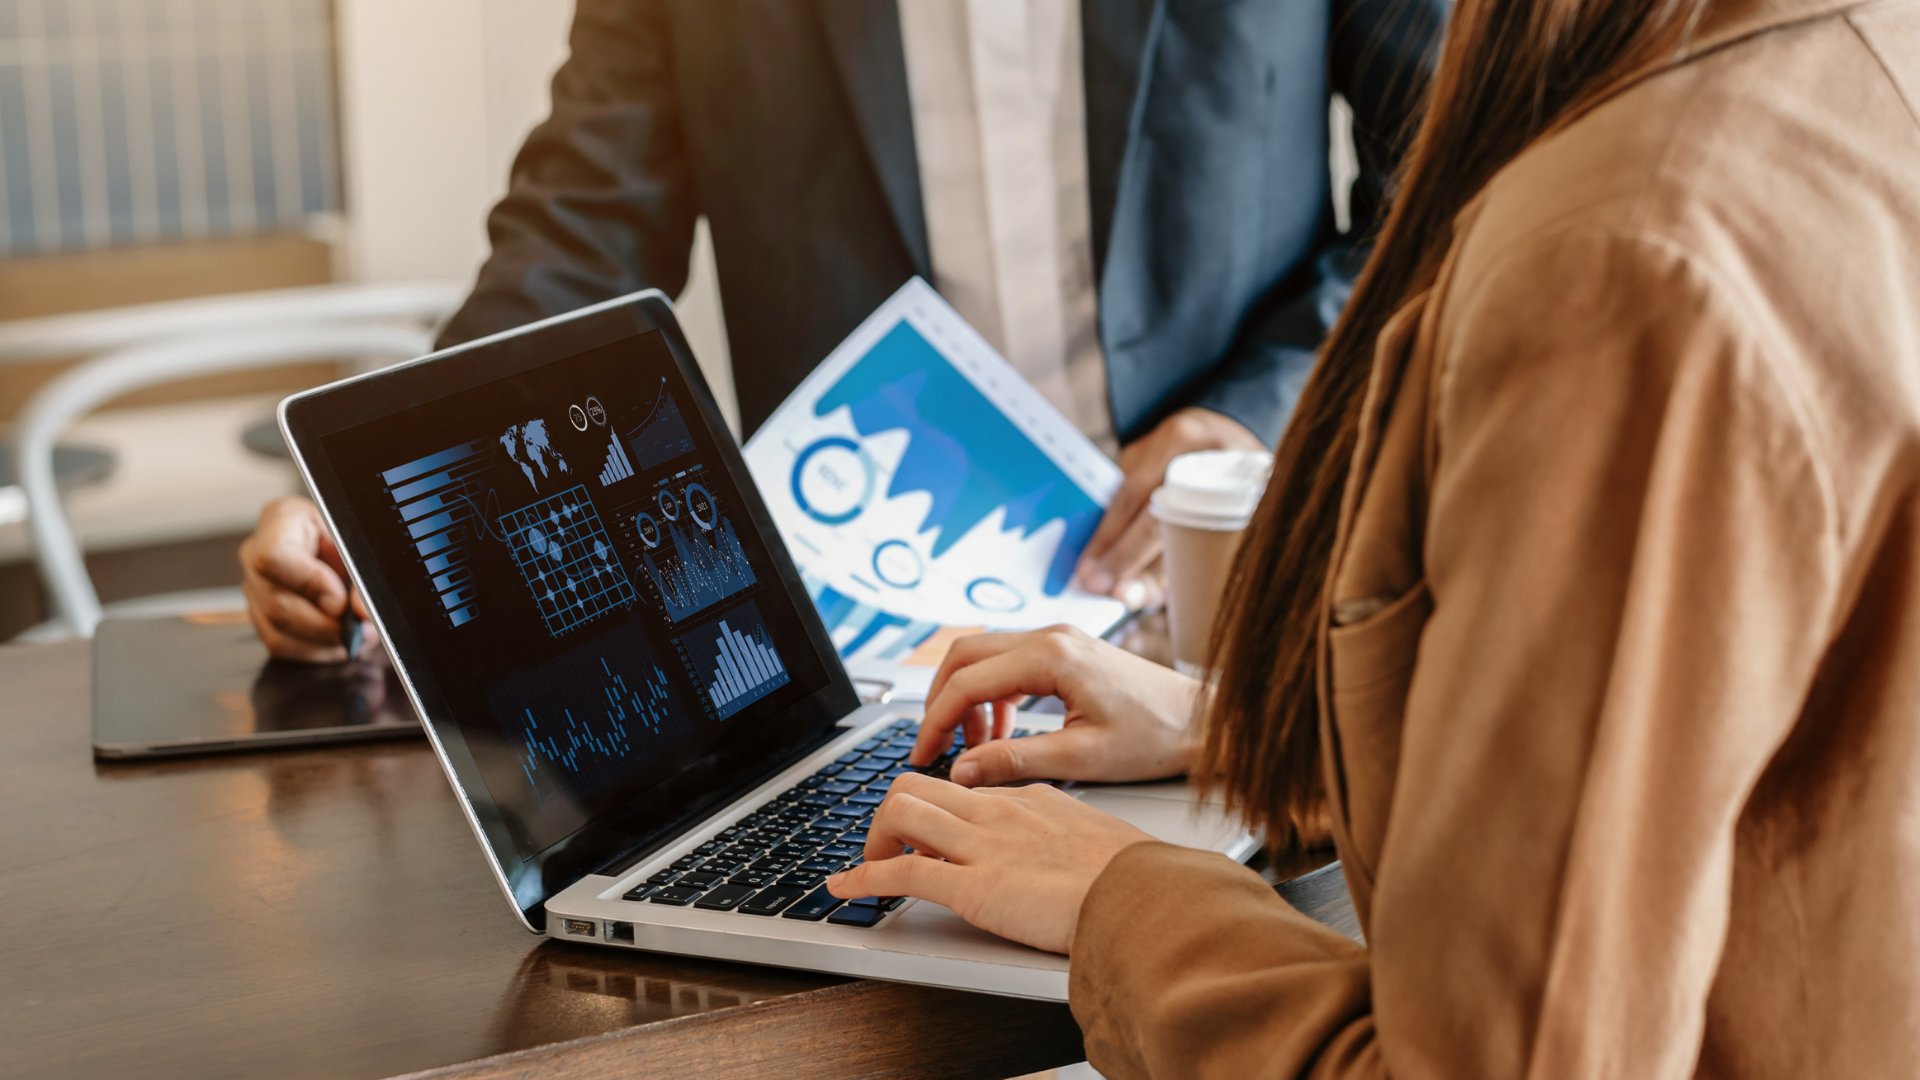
(327, 913)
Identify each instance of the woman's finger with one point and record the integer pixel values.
(905, 875)
(904, 821)
(1011, 675)
(1048, 756)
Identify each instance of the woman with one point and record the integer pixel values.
(1584, 604)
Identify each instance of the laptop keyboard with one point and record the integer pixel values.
(775, 861)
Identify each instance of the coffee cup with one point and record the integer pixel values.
(1203, 508)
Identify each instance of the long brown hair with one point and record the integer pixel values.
(1508, 70)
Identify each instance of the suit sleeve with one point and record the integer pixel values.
(1381, 55)
(601, 198)
(1634, 568)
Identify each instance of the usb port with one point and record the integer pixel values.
(582, 928)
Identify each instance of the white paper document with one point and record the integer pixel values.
(923, 486)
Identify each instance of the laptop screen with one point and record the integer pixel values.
(580, 578)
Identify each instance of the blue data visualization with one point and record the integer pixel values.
(566, 559)
(661, 435)
(434, 497)
(689, 549)
(735, 660)
(961, 450)
(590, 715)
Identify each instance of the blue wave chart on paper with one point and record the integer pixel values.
(578, 720)
(736, 660)
(567, 561)
(961, 450)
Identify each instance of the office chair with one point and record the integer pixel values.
(160, 343)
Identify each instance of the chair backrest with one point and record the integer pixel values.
(89, 333)
(267, 334)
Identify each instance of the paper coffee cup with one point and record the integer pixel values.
(1203, 508)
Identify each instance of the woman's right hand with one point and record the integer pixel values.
(1127, 717)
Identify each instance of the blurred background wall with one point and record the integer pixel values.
(155, 150)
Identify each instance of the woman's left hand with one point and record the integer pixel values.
(1014, 861)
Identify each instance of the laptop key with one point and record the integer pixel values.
(866, 798)
(862, 915)
(859, 776)
(838, 787)
(778, 866)
(753, 879)
(722, 864)
(724, 898)
(817, 905)
(675, 895)
(664, 877)
(869, 744)
(804, 879)
(709, 847)
(686, 862)
(843, 850)
(823, 866)
(850, 757)
(852, 810)
(816, 837)
(889, 753)
(641, 892)
(815, 798)
(829, 769)
(700, 879)
(793, 851)
(772, 901)
(856, 837)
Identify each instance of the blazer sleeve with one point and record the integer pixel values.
(1634, 563)
(601, 198)
(1381, 54)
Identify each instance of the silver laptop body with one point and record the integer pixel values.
(644, 717)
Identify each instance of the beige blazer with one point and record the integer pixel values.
(1621, 666)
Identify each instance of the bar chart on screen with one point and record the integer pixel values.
(735, 659)
(617, 467)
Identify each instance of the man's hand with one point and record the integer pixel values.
(296, 585)
(1123, 549)
(1014, 861)
(1126, 716)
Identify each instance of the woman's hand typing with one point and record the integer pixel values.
(1014, 861)
(1126, 716)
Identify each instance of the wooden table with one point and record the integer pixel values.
(326, 913)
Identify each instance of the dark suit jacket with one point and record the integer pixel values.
(788, 124)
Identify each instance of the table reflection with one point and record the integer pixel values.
(565, 991)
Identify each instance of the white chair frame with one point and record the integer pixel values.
(154, 344)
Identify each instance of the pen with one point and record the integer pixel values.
(352, 633)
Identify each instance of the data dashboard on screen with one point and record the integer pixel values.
(567, 543)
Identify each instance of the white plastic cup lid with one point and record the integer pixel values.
(1213, 489)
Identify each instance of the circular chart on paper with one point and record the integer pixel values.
(669, 506)
(992, 594)
(700, 506)
(896, 563)
(649, 530)
(833, 480)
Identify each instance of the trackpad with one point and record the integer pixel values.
(1176, 821)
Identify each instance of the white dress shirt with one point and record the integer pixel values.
(999, 129)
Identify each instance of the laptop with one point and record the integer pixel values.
(640, 710)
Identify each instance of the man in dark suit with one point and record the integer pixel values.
(1213, 266)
